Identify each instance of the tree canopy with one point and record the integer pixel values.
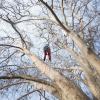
(72, 30)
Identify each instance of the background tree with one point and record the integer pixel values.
(71, 28)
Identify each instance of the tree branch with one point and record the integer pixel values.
(7, 45)
(58, 79)
(90, 57)
(57, 19)
(37, 83)
(26, 77)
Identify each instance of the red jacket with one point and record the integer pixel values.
(47, 51)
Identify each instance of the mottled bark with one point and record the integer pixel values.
(89, 56)
(66, 89)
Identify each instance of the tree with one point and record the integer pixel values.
(65, 25)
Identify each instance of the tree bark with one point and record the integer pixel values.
(89, 56)
(66, 89)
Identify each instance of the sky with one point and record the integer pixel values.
(36, 41)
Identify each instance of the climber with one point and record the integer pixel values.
(47, 51)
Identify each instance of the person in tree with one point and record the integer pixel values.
(47, 51)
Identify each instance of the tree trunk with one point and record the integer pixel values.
(66, 89)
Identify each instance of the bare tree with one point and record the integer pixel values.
(71, 27)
